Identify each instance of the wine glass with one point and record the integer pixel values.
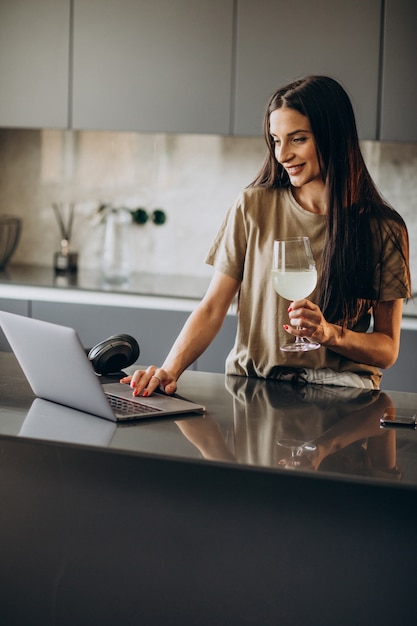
(294, 276)
(298, 449)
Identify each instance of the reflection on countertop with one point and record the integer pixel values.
(146, 284)
(323, 431)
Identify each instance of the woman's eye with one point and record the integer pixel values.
(299, 139)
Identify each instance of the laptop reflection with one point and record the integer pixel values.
(54, 422)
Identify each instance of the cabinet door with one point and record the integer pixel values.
(34, 63)
(402, 376)
(214, 358)
(399, 81)
(154, 330)
(20, 307)
(278, 41)
(152, 66)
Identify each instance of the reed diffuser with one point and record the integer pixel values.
(65, 260)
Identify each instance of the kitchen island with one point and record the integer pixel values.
(283, 504)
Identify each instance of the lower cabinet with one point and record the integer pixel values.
(213, 359)
(155, 330)
(402, 376)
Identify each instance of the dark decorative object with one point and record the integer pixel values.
(140, 216)
(10, 229)
(159, 217)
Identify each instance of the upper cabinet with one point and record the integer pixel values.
(153, 66)
(278, 41)
(34, 63)
(399, 78)
(201, 66)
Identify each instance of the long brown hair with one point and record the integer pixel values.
(360, 223)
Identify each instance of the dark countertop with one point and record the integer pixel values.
(244, 421)
(195, 520)
(160, 285)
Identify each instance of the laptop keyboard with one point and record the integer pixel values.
(124, 406)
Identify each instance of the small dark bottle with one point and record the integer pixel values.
(65, 261)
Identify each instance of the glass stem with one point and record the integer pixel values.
(298, 339)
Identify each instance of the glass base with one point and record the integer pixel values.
(300, 346)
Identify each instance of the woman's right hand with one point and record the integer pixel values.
(144, 382)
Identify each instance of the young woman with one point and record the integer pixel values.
(313, 183)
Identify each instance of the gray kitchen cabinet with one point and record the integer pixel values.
(152, 66)
(201, 66)
(399, 83)
(213, 359)
(279, 41)
(20, 307)
(34, 63)
(155, 330)
(402, 376)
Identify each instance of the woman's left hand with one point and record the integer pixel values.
(307, 320)
(378, 348)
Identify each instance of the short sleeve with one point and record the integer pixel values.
(392, 271)
(228, 250)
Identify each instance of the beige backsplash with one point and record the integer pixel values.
(193, 178)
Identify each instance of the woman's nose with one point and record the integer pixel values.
(283, 153)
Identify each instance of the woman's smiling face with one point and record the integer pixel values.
(295, 146)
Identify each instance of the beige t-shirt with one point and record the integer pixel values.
(243, 249)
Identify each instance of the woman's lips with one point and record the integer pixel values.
(293, 170)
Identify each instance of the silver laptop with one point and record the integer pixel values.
(57, 368)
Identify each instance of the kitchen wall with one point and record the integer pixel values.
(193, 178)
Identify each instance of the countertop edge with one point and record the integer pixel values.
(85, 296)
(24, 292)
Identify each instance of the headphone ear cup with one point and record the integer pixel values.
(113, 354)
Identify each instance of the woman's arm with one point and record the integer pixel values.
(197, 334)
(379, 348)
(206, 435)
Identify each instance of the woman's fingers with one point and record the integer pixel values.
(144, 382)
(306, 319)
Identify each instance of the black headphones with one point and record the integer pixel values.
(112, 354)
